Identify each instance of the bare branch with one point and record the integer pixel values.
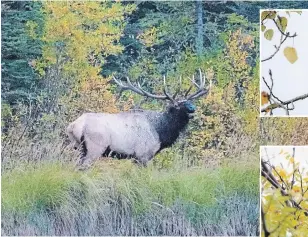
(275, 102)
(285, 34)
(287, 102)
(282, 40)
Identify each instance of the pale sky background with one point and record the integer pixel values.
(290, 80)
(301, 155)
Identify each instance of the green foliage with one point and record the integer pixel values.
(159, 36)
(238, 19)
(6, 115)
(77, 38)
(19, 80)
(233, 96)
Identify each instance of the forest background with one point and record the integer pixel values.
(58, 59)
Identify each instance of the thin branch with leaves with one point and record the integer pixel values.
(275, 102)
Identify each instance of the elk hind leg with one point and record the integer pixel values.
(92, 152)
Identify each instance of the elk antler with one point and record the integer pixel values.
(201, 88)
(139, 90)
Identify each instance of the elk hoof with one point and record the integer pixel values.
(82, 167)
(139, 163)
(81, 164)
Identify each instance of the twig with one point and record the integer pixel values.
(283, 38)
(285, 34)
(277, 49)
(294, 170)
(272, 86)
(275, 102)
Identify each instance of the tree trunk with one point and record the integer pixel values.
(199, 38)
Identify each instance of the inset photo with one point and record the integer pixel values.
(283, 63)
(284, 191)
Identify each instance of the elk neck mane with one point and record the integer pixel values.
(168, 126)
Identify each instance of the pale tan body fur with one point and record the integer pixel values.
(127, 132)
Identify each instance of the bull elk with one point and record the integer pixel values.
(138, 134)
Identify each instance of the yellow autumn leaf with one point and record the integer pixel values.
(264, 14)
(268, 15)
(293, 223)
(269, 34)
(282, 23)
(298, 12)
(264, 98)
(305, 205)
(282, 173)
(296, 189)
(291, 54)
(263, 28)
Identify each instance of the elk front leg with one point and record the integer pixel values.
(142, 163)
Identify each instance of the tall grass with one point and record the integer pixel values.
(43, 194)
(118, 198)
